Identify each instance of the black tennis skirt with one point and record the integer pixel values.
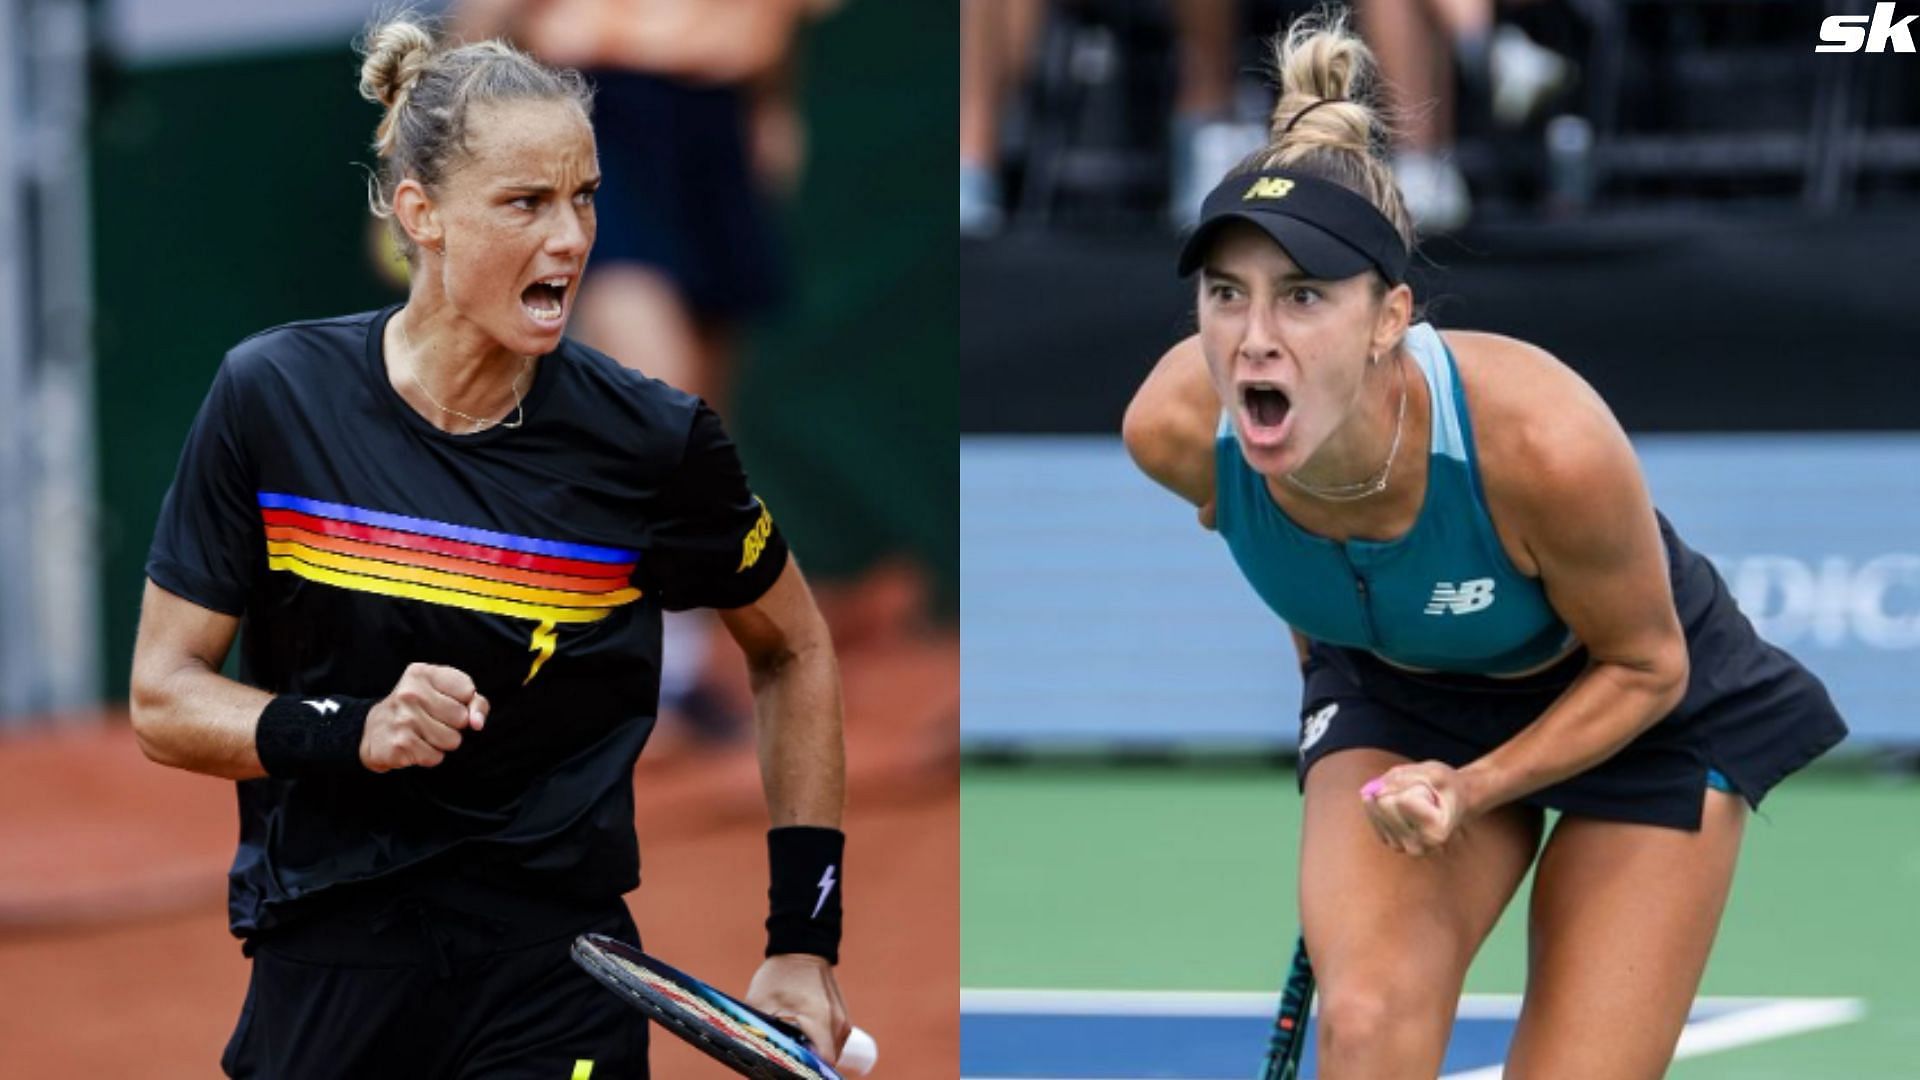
(1751, 713)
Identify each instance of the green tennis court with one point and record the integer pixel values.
(1181, 878)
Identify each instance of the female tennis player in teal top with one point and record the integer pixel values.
(1493, 620)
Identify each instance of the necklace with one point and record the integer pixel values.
(1375, 484)
(479, 423)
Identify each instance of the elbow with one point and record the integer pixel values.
(1140, 432)
(1682, 674)
(803, 644)
(151, 705)
(771, 665)
(1654, 680)
(1667, 674)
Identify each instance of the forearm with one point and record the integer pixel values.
(797, 714)
(1607, 707)
(196, 719)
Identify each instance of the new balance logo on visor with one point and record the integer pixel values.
(1878, 34)
(1462, 599)
(1268, 187)
(324, 706)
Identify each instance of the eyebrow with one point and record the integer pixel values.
(1291, 277)
(544, 189)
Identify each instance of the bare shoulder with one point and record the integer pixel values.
(1529, 410)
(1549, 448)
(1170, 424)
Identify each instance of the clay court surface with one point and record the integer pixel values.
(115, 959)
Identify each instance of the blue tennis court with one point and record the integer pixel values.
(1131, 1035)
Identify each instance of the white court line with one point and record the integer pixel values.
(1227, 1003)
(1788, 1016)
(1758, 1019)
(1783, 1017)
(1234, 1003)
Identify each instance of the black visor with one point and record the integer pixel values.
(1329, 232)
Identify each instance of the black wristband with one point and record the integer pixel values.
(311, 735)
(804, 897)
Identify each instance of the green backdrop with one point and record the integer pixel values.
(229, 197)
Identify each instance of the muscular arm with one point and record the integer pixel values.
(796, 689)
(796, 693)
(1570, 487)
(185, 713)
(1169, 426)
(188, 715)
(1169, 431)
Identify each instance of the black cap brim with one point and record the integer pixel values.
(1317, 252)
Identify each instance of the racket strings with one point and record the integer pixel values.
(716, 1015)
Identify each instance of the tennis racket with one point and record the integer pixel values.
(732, 1032)
(1289, 1037)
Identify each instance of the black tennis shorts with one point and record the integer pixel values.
(1751, 713)
(429, 990)
(678, 193)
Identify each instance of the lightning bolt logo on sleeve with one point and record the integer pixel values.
(826, 890)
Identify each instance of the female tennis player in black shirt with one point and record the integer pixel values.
(445, 536)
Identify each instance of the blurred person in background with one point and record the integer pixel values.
(1491, 617)
(996, 49)
(448, 534)
(1420, 45)
(1205, 136)
(698, 135)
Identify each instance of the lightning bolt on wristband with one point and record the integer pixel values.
(803, 899)
(311, 735)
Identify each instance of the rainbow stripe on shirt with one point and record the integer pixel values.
(548, 581)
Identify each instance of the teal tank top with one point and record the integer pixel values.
(1443, 597)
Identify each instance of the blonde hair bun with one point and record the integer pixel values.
(428, 88)
(1326, 123)
(397, 52)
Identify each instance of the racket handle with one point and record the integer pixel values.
(858, 1055)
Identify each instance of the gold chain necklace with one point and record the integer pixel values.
(479, 423)
(1372, 485)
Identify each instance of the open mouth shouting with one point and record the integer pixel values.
(546, 300)
(1264, 411)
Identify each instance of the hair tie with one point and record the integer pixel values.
(1305, 111)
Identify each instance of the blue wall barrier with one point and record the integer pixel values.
(1097, 613)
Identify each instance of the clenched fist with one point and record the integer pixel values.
(1415, 809)
(421, 721)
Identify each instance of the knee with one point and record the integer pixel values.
(1355, 1017)
(1376, 1020)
